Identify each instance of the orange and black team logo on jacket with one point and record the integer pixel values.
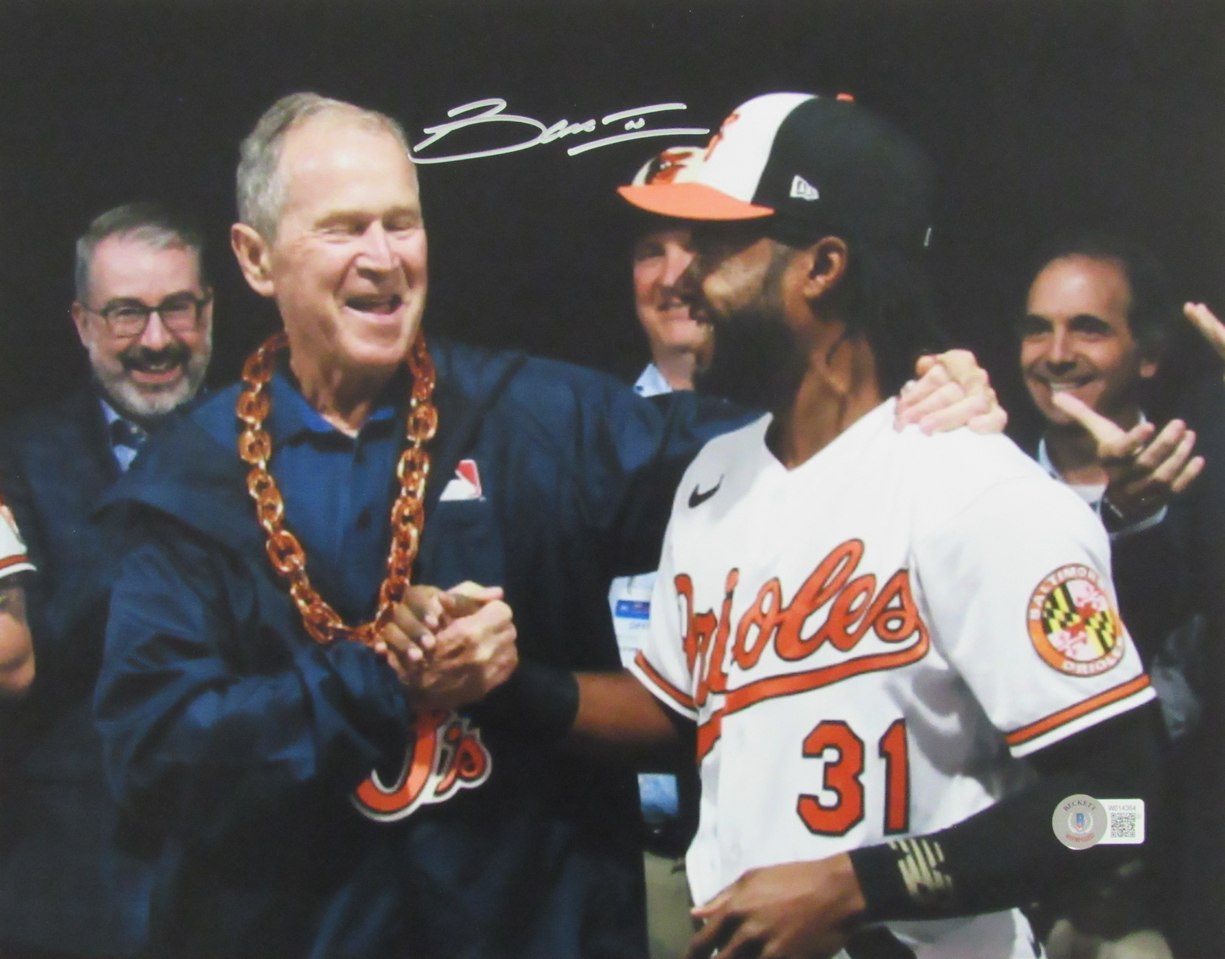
(1072, 623)
(446, 756)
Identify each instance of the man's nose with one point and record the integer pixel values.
(1062, 351)
(676, 262)
(155, 336)
(689, 283)
(376, 248)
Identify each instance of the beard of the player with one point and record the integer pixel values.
(758, 362)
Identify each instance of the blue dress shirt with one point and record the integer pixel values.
(335, 491)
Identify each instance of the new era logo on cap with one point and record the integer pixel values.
(806, 165)
(801, 189)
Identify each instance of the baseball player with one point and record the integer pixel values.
(16, 649)
(906, 705)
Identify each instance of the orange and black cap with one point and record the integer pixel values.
(805, 166)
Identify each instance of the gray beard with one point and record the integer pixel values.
(144, 403)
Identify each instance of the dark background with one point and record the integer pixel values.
(1042, 116)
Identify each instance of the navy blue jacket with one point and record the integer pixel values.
(239, 743)
(67, 883)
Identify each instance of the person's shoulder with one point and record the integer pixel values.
(192, 448)
(208, 421)
(548, 399)
(737, 453)
(190, 472)
(214, 411)
(60, 442)
(73, 413)
(987, 477)
(980, 459)
(471, 366)
(733, 445)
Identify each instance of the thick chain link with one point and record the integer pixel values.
(284, 550)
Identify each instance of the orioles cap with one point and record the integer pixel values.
(672, 165)
(804, 166)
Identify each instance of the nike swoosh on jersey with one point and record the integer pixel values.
(700, 496)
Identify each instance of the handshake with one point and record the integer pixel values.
(451, 647)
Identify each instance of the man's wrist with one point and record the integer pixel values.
(538, 699)
(903, 879)
(1118, 523)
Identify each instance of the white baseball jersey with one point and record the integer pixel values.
(13, 558)
(869, 642)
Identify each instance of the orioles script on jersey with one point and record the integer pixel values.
(844, 607)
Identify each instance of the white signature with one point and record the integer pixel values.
(633, 123)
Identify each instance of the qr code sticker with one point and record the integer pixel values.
(1126, 821)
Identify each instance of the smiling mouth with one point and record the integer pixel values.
(161, 374)
(1064, 386)
(378, 305)
(154, 368)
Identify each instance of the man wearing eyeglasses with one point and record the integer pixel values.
(70, 885)
(143, 312)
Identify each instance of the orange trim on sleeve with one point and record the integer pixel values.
(680, 697)
(1023, 735)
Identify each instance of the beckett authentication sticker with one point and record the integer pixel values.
(1081, 821)
(1072, 623)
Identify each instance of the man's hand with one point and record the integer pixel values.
(1145, 468)
(451, 647)
(1210, 328)
(801, 910)
(952, 391)
(16, 647)
(408, 639)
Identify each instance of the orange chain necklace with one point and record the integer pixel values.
(284, 550)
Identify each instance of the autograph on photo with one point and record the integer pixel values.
(633, 123)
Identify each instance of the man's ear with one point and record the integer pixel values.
(79, 319)
(1150, 359)
(206, 311)
(252, 253)
(827, 262)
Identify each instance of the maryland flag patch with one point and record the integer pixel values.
(1072, 623)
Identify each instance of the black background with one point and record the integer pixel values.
(1041, 116)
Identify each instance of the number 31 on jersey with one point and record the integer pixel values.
(843, 752)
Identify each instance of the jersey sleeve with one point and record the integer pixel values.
(13, 556)
(1017, 584)
(662, 664)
